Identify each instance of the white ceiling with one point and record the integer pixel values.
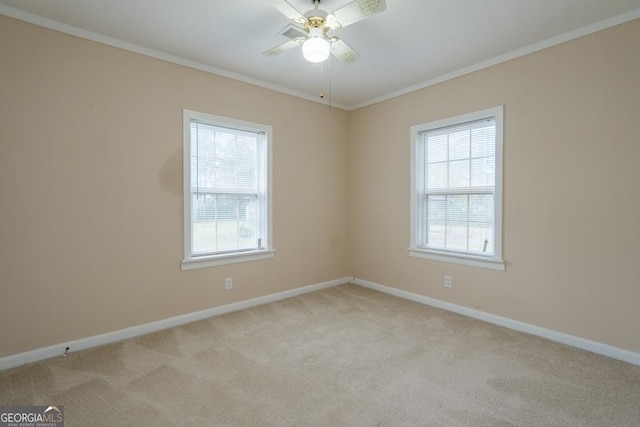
(410, 45)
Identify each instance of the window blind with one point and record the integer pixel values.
(227, 189)
(458, 197)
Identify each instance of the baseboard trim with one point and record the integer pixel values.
(571, 340)
(16, 360)
(32, 356)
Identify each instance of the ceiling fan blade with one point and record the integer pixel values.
(284, 46)
(343, 52)
(289, 11)
(354, 12)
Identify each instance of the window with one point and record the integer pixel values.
(227, 183)
(456, 194)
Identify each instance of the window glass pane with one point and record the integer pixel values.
(437, 148)
(436, 208)
(457, 208)
(457, 211)
(436, 220)
(481, 217)
(203, 212)
(459, 174)
(222, 159)
(481, 233)
(483, 172)
(481, 207)
(457, 235)
(247, 158)
(225, 160)
(462, 222)
(459, 143)
(202, 155)
(437, 176)
(224, 222)
(483, 141)
(436, 236)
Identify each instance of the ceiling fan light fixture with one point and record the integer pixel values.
(316, 48)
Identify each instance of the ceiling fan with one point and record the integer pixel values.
(310, 30)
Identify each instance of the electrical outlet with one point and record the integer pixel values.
(228, 283)
(448, 283)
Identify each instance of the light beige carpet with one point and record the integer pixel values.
(345, 356)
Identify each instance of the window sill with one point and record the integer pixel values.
(216, 260)
(470, 260)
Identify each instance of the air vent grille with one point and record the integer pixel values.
(292, 32)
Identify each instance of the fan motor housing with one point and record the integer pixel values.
(316, 18)
(316, 22)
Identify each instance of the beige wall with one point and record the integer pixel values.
(91, 189)
(571, 200)
(91, 200)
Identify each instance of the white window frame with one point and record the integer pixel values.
(417, 248)
(191, 261)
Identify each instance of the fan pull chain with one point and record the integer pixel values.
(329, 80)
(322, 81)
(328, 61)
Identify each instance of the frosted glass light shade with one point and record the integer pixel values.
(316, 49)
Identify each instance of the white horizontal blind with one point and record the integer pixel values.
(458, 191)
(227, 189)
